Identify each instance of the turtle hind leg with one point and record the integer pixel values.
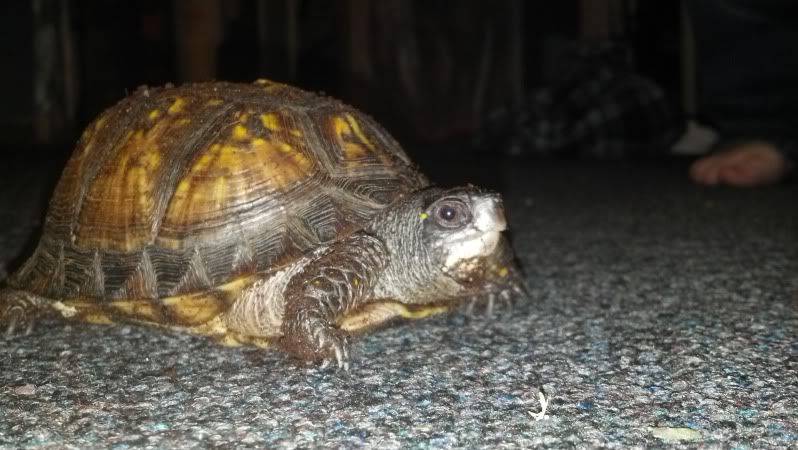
(18, 312)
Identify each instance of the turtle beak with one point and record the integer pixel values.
(488, 210)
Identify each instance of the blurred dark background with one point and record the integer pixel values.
(429, 70)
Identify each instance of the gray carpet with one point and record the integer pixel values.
(661, 314)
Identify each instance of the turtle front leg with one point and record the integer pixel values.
(18, 311)
(503, 294)
(336, 282)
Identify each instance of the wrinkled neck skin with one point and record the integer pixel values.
(415, 274)
(411, 275)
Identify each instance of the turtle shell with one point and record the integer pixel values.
(175, 191)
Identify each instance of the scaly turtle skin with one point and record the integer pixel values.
(255, 214)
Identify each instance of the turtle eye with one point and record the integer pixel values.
(447, 213)
(451, 213)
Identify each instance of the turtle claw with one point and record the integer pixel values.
(489, 304)
(17, 313)
(17, 321)
(503, 299)
(335, 342)
(318, 342)
(518, 289)
(14, 316)
(337, 351)
(342, 357)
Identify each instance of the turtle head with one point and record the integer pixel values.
(461, 228)
(446, 244)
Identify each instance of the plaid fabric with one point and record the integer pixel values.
(601, 109)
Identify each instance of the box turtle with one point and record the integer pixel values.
(256, 214)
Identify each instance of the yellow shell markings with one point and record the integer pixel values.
(268, 85)
(232, 172)
(100, 123)
(196, 310)
(240, 132)
(154, 114)
(205, 185)
(214, 102)
(193, 310)
(89, 134)
(358, 132)
(203, 313)
(140, 310)
(348, 131)
(87, 143)
(231, 339)
(125, 188)
(270, 121)
(282, 164)
(375, 314)
(177, 106)
(200, 313)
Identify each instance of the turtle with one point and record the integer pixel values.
(256, 214)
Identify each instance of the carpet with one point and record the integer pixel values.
(662, 314)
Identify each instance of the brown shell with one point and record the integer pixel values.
(178, 190)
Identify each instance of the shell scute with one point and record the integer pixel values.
(238, 173)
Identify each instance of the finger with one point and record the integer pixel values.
(738, 175)
(696, 169)
(749, 169)
(710, 175)
(699, 167)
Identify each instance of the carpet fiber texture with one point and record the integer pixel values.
(661, 314)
